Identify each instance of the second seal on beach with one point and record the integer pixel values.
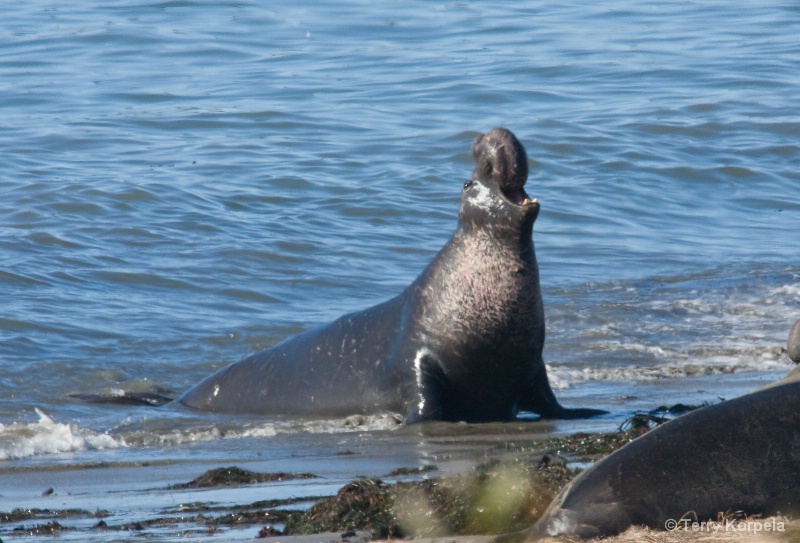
(463, 342)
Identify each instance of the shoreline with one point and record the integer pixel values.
(451, 493)
(496, 496)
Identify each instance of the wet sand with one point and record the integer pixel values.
(632, 535)
(449, 479)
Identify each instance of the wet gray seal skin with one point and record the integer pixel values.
(738, 455)
(462, 343)
(793, 343)
(793, 350)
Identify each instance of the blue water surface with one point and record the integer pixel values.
(185, 182)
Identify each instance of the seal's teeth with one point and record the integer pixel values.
(528, 201)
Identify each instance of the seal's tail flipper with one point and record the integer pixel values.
(151, 399)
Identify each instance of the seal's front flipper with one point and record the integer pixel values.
(541, 400)
(424, 401)
(567, 413)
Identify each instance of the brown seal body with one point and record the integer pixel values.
(463, 342)
(738, 455)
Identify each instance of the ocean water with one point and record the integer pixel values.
(185, 182)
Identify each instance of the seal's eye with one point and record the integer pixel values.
(468, 184)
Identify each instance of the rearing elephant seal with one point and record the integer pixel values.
(463, 342)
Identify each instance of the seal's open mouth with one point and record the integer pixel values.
(518, 196)
(500, 159)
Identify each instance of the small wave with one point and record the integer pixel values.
(721, 321)
(20, 440)
(143, 433)
(564, 377)
(787, 290)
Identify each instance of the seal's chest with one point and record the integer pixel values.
(486, 295)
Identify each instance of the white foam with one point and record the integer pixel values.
(563, 377)
(159, 437)
(20, 439)
(787, 290)
(354, 423)
(656, 331)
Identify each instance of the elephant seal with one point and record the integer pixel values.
(463, 342)
(793, 350)
(793, 343)
(738, 455)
